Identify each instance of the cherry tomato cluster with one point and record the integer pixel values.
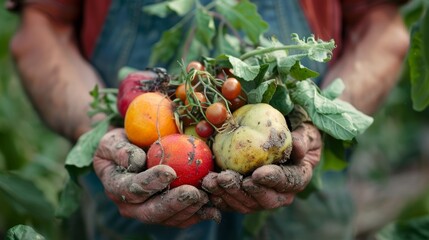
(207, 99)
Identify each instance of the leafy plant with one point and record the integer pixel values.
(419, 61)
(269, 72)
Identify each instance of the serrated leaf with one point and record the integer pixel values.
(317, 50)
(419, 64)
(335, 117)
(334, 89)
(23, 232)
(162, 9)
(163, 50)
(244, 16)
(242, 69)
(300, 72)
(205, 30)
(25, 197)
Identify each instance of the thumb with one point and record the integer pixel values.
(305, 138)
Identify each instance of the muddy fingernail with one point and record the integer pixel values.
(188, 197)
(136, 159)
(167, 177)
(251, 187)
(268, 179)
(139, 190)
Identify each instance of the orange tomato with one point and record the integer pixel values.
(149, 117)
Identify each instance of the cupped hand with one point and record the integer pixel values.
(143, 194)
(270, 186)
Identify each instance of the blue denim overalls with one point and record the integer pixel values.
(126, 40)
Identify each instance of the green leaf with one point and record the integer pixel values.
(244, 16)
(254, 222)
(281, 100)
(419, 64)
(269, 92)
(69, 199)
(273, 42)
(243, 70)
(162, 9)
(413, 229)
(124, 71)
(181, 7)
(248, 86)
(227, 44)
(81, 154)
(164, 49)
(158, 9)
(317, 50)
(263, 93)
(25, 197)
(284, 64)
(334, 89)
(195, 51)
(23, 232)
(299, 72)
(335, 117)
(334, 154)
(205, 30)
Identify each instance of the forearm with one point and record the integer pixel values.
(372, 57)
(55, 76)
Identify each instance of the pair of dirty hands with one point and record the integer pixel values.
(143, 194)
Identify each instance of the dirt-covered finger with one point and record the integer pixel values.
(267, 197)
(219, 203)
(235, 204)
(235, 196)
(306, 138)
(194, 214)
(114, 146)
(271, 176)
(169, 204)
(132, 187)
(211, 185)
(205, 213)
(284, 178)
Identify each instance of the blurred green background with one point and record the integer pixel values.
(31, 156)
(389, 172)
